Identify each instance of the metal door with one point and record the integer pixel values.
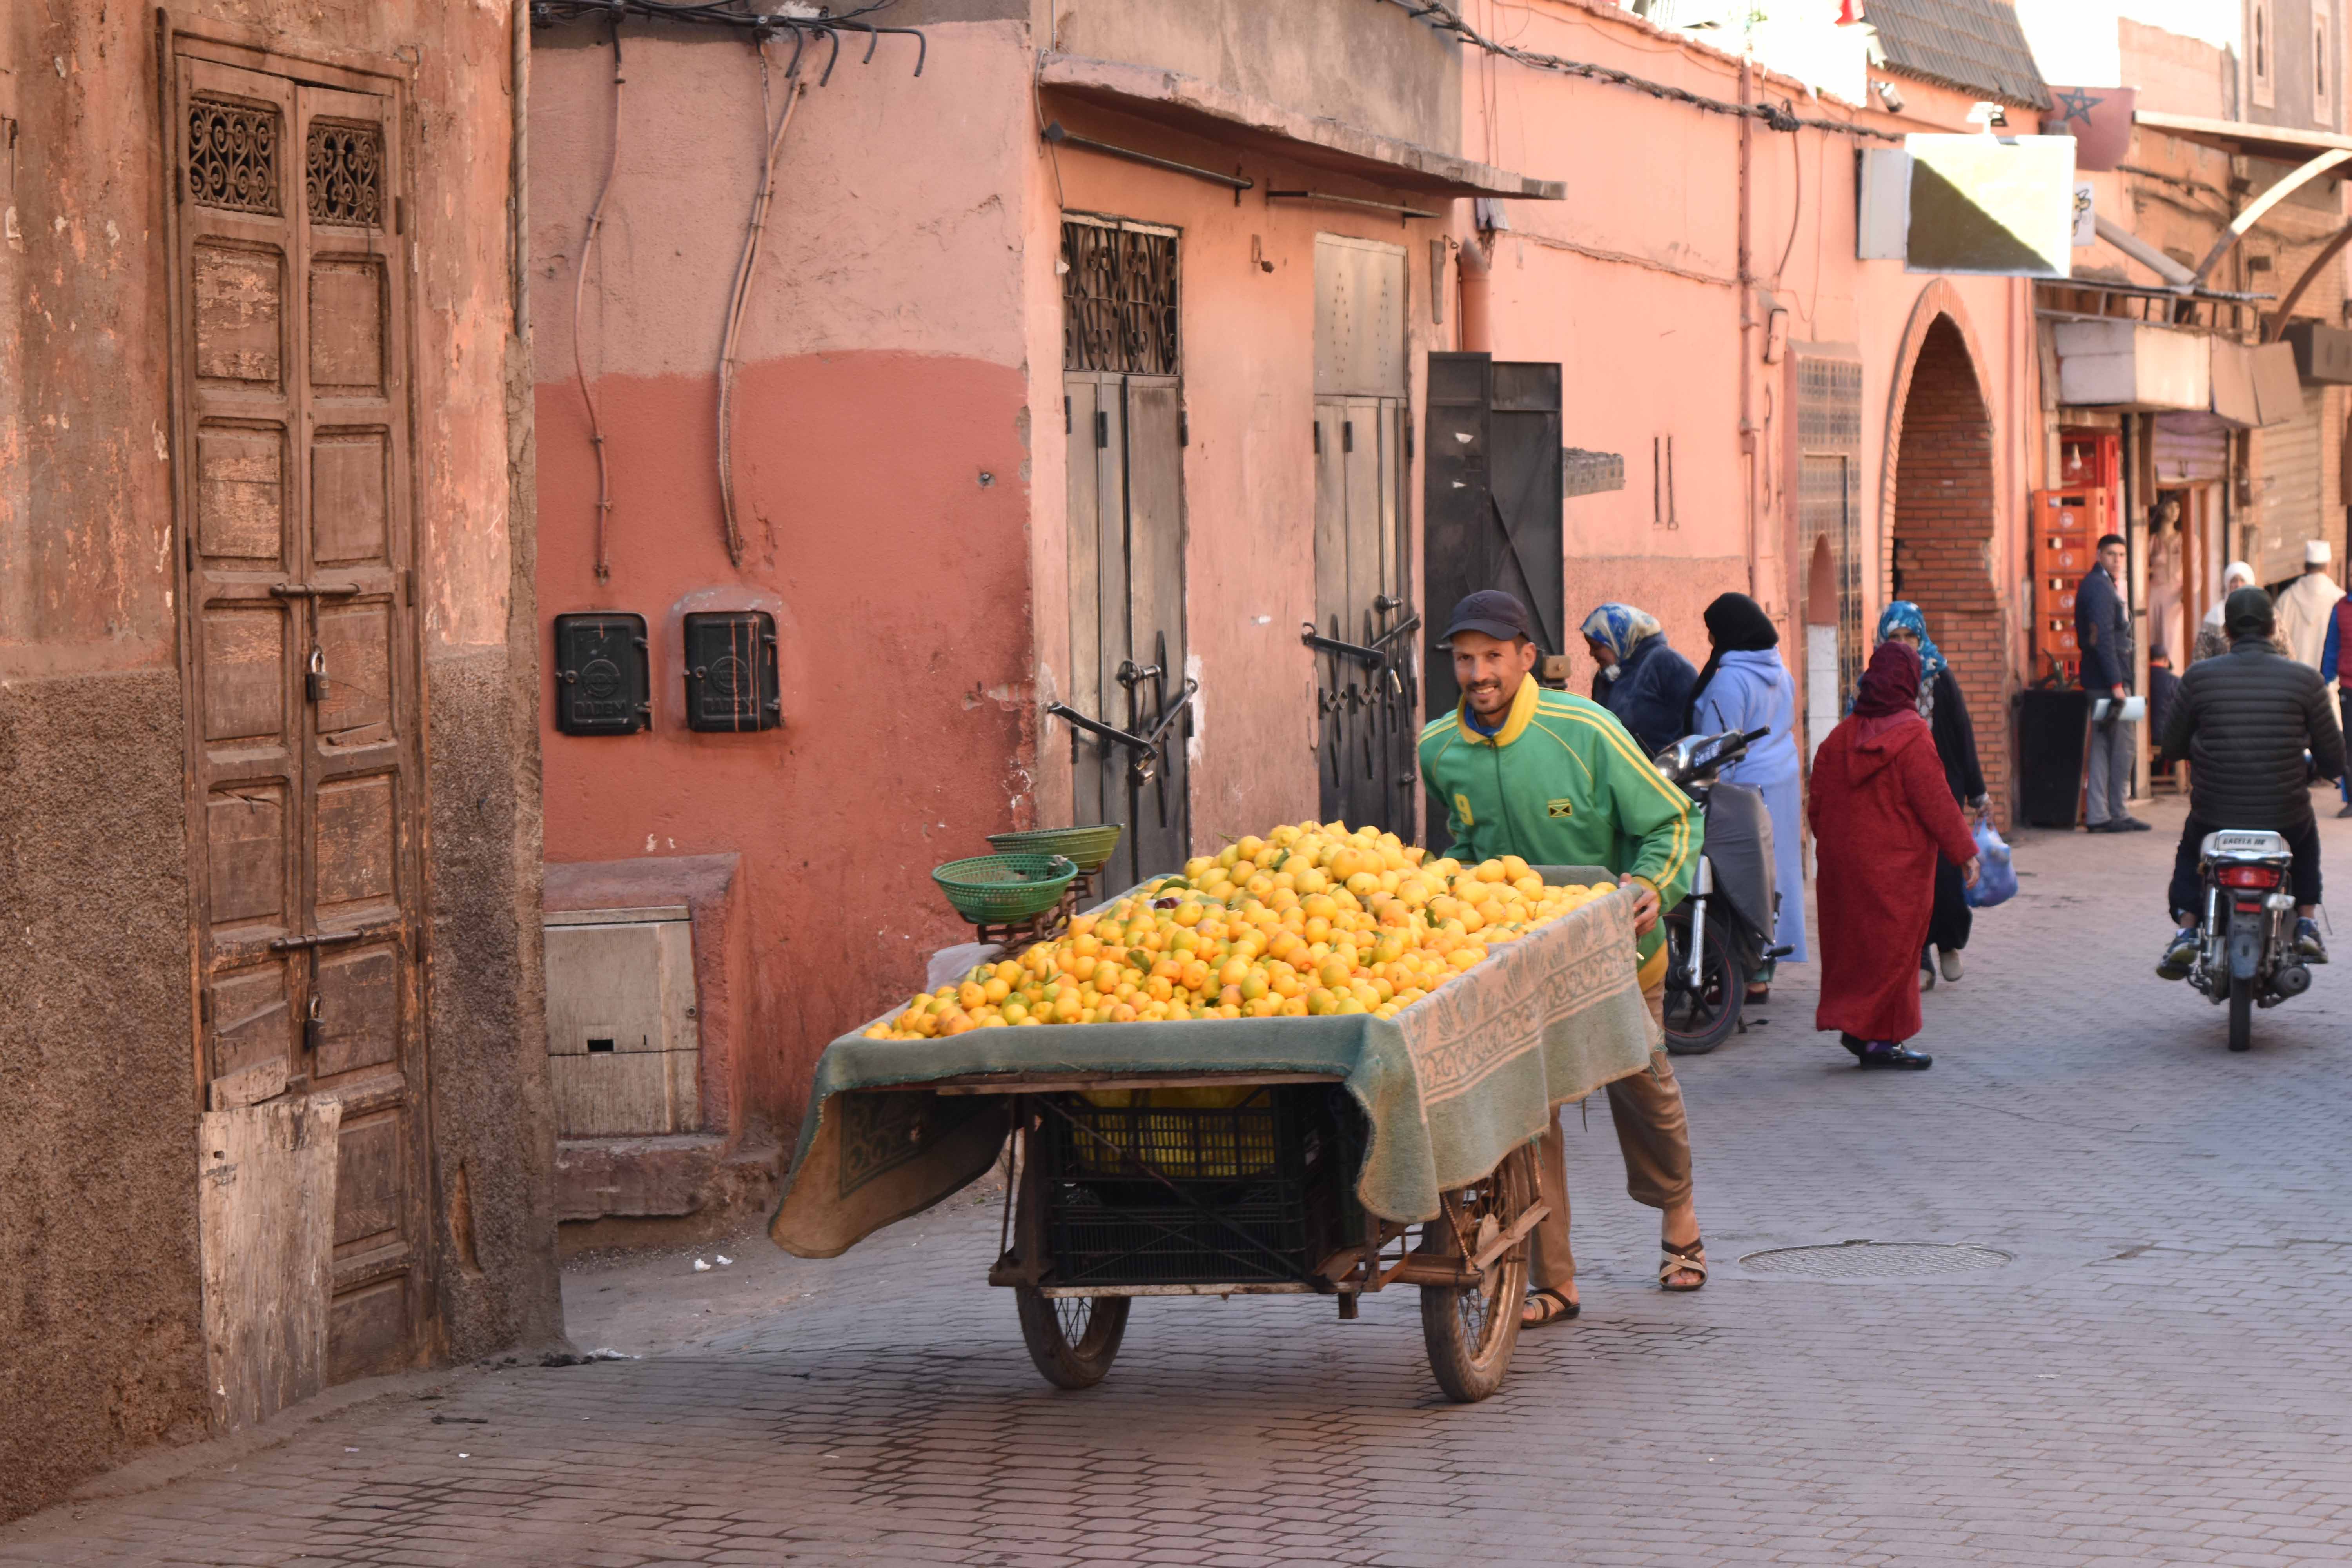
(301, 647)
(1493, 486)
(2288, 515)
(1367, 690)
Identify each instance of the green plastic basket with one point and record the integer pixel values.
(989, 890)
(1089, 846)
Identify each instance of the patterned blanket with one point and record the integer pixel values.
(1449, 1086)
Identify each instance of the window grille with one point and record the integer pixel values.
(233, 155)
(343, 169)
(1829, 491)
(1119, 298)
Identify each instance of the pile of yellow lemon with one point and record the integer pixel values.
(1311, 919)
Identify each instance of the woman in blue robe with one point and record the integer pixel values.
(1745, 686)
(1642, 679)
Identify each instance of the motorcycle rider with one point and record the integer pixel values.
(2245, 722)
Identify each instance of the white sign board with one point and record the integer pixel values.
(1996, 206)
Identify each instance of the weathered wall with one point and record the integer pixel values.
(1362, 64)
(1248, 348)
(882, 414)
(98, 1340)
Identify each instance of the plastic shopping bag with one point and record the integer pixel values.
(1996, 878)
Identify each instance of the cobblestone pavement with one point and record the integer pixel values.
(2158, 1375)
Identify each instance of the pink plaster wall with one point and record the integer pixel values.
(882, 481)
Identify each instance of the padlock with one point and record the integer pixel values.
(314, 1027)
(316, 680)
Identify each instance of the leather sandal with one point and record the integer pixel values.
(1549, 1307)
(1689, 1257)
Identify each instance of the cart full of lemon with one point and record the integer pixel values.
(1311, 919)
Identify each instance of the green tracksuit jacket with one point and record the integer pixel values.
(1561, 783)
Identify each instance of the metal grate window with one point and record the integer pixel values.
(233, 155)
(343, 169)
(1118, 298)
(1829, 491)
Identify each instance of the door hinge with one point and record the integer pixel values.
(1102, 429)
(1347, 435)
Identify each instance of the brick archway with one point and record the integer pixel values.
(1938, 513)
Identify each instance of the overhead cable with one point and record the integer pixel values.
(804, 22)
(1782, 116)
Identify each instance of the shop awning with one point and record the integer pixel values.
(2242, 137)
(1203, 109)
(2115, 363)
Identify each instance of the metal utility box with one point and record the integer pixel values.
(624, 1043)
(731, 671)
(603, 686)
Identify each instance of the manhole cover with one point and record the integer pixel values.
(1874, 1260)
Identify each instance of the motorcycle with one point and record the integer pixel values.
(2245, 942)
(1719, 939)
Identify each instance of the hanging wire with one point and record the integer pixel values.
(801, 20)
(741, 293)
(1782, 116)
(579, 297)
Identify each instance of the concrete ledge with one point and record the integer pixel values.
(1187, 103)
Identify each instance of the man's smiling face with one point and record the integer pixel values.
(1489, 670)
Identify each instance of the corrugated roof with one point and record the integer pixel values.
(1973, 45)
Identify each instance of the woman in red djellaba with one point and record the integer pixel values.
(1881, 809)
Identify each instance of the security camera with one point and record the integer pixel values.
(1890, 95)
(1987, 116)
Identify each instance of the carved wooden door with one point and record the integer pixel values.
(302, 648)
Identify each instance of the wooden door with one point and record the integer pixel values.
(1367, 702)
(1126, 612)
(300, 650)
(1124, 415)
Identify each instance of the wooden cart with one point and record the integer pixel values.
(1244, 1186)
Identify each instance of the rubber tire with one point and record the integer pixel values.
(1065, 1364)
(2241, 1014)
(1720, 971)
(1468, 1372)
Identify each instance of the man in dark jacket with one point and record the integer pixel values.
(2103, 631)
(2244, 722)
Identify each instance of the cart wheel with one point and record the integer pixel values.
(1071, 1338)
(1471, 1330)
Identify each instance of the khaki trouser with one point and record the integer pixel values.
(1651, 1130)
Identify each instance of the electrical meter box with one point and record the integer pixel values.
(731, 671)
(603, 686)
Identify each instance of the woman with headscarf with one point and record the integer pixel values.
(1642, 679)
(1745, 686)
(1946, 713)
(2211, 639)
(1881, 810)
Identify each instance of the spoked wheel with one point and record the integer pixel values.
(2241, 1014)
(1472, 1330)
(1699, 1019)
(1071, 1338)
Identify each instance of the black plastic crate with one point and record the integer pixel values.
(1267, 1172)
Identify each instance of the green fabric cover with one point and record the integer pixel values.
(1449, 1086)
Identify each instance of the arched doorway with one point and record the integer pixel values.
(1939, 539)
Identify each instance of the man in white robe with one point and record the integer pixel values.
(2305, 607)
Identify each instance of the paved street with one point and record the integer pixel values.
(2157, 1374)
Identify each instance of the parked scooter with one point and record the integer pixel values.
(1719, 939)
(2245, 942)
